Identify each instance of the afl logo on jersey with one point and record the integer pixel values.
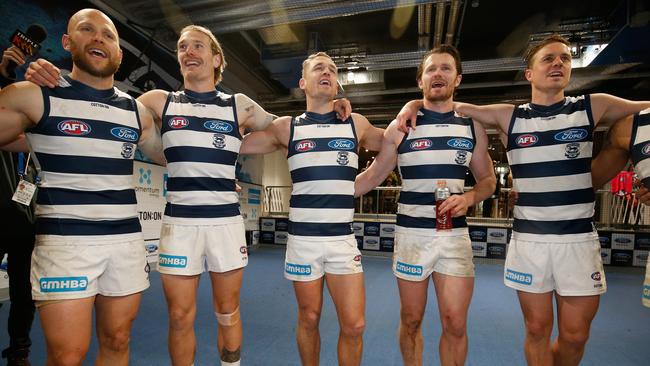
(458, 143)
(124, 133)
(421, 144)
(341, 144)
(73, 127)
(305, 145)
(218, 126)
(646, 149)
(178, 122)
(526, 140)
(574, 134)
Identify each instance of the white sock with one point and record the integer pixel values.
(236, 363)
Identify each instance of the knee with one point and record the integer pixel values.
(181, 319)
(454, 325)
(574, 338)
(411, 322)
(538, 330)
(116, 341)
(353, 329)
(68, 357)
(308, 319)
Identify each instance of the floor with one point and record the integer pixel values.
(620, 333)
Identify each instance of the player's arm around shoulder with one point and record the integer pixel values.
(607, 109)
(150, 142)
(274, 137)
(154, 101)
(369, 136)
(251, 116)
(21, 107)
(489, 116)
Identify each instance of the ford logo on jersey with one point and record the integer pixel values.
(526, 140)
(178, 122)
(73, 127)
(371, 241)
(341, 144)
(388, 229)
(646, 149)
(603, 239)
(574, 134)
(459, 143)
(218, 126)
(124, 133)
(622, 240)
(496, 234)
(477, 247)
(305, 145)
(421, 144)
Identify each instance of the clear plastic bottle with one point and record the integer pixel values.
(443, 221)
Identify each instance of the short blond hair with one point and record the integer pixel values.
(215, 46)
(311, 57)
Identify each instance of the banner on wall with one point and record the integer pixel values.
(150, 181)
(250, 202)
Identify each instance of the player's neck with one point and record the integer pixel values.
(199, 86)
(443, 106)
(320, 106)
(95, 82)
(547, 97)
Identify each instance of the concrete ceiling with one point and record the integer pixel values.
(265, 42)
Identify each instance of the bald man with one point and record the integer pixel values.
(89, 250)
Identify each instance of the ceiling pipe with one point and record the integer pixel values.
(453, 19)
(421, 35)
(427, 26)
(440, 23)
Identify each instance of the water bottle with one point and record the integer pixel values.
(443, 221)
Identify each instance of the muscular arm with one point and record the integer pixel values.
(483, 171)
(384, 162)
(150, 142)
(614, 154)
(369, 136)
(154, 101)
(489, 116)
(274, 137)
(21, 107)
(607, 109)
(250, 115)
(18, 145)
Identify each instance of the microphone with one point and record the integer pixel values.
(28, 43)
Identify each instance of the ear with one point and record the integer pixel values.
(528, 73)
(216, 60)
(65, 41)
(121, 55)
(420, 83)
(458, 79)
(301, 83)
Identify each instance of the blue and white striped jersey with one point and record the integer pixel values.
(201, 141)
(440, 148)
(640, 146)
(323, 161)
(549, 150)
(83, 148)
